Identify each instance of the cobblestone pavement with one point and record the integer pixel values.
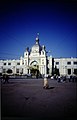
(25, 99)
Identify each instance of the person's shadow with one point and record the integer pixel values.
(50, 87)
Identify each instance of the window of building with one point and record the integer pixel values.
(69, 71)
(75, 63)
(21, 71)
(75, 71)
(4, 63)
(57, 63)
(18, 63)
(58, 73)
(9, 63)
(17, 70)
(4, 70)
(68, 63)
(43, 61)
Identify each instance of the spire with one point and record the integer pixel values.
(37, 35)
(37, 39)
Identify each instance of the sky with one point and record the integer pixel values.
(56, 23)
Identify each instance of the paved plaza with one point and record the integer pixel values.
(25, 99)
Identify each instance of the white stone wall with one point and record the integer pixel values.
(50, 65)
(38, 54)
(65, 64)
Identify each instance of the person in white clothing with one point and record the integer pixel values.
(46, 82)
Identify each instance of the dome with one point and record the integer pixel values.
(36, 48)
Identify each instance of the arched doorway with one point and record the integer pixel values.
(9, 71)
(34, 69)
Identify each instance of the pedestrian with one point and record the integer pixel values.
(46, 86)
(59, 79)
(6, 78)
(3, 77)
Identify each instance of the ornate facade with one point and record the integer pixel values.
(35, 61)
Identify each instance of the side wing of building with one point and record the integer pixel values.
(66, 66)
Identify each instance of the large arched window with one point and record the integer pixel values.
(34, 63)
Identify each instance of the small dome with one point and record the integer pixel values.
(37, 38)
(43, 47)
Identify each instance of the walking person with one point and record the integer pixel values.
(59, 79)
(46, 86)
(6, 78)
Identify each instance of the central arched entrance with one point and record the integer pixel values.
(34, 69)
